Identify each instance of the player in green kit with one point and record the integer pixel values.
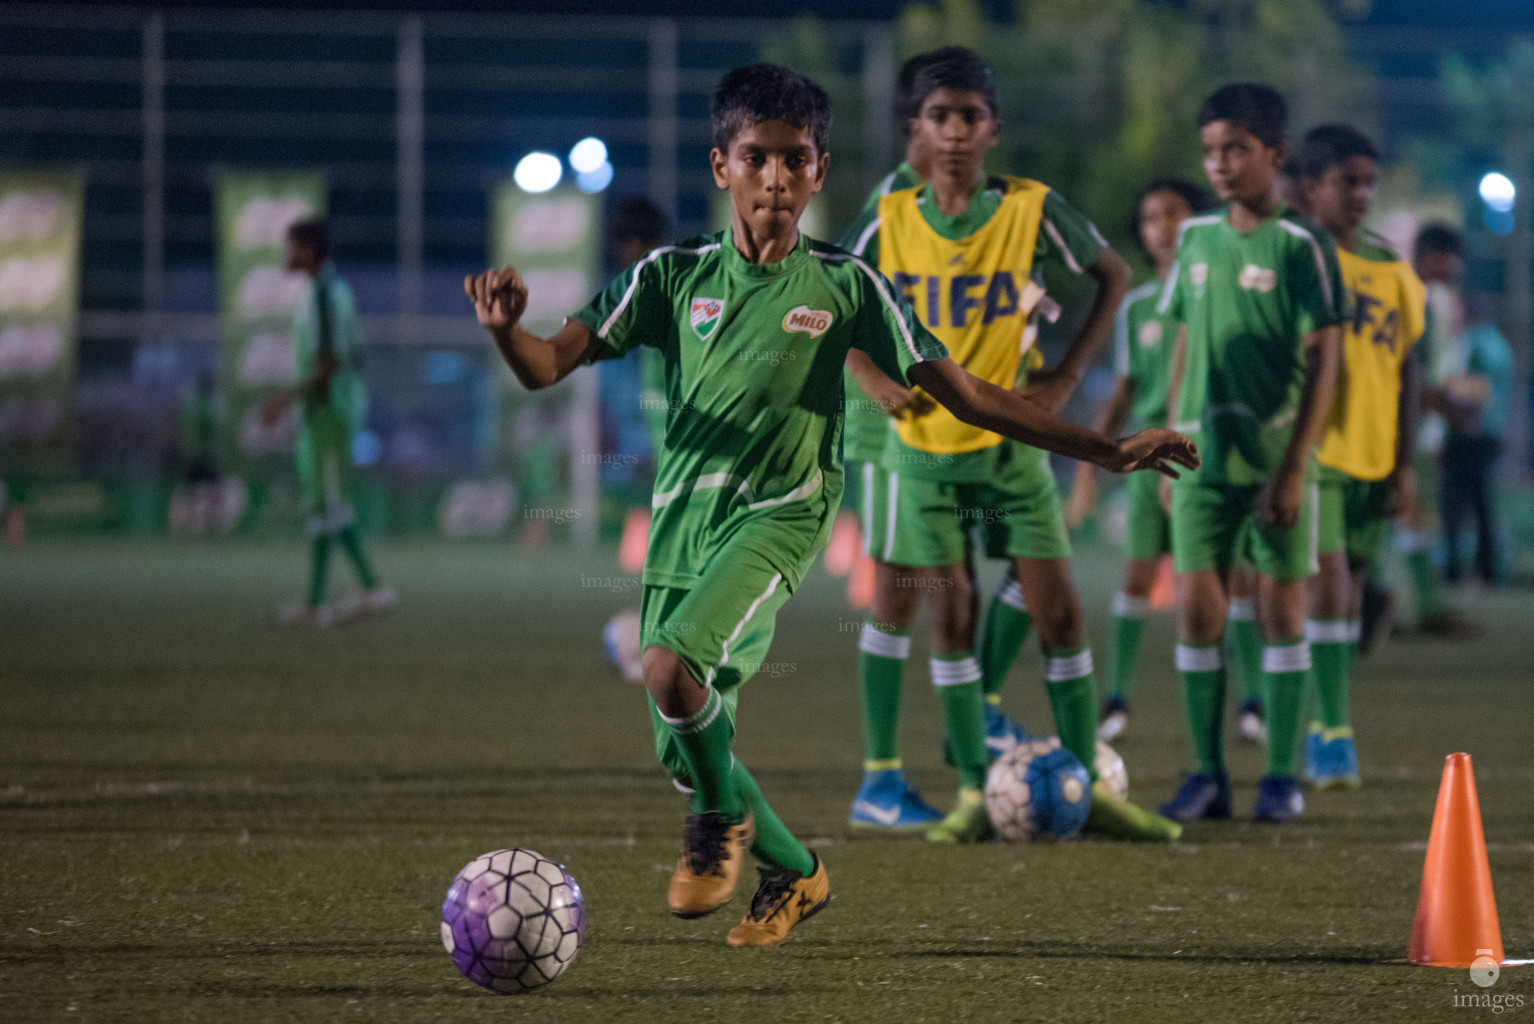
(754, 324)
(332, 400)
(967, 249)
(1142, 350)
(1259, 293)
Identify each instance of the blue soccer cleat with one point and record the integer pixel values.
(1278, 800)
(1001, 735)
(1336, 760)
(1312, 753)
(1201, 797)
(886, 801)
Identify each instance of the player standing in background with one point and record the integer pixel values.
(332, 402)
(1366, 452)
(965, 250)
(1259, 294)
(1142, 350)
(754, 324)
(885, 800)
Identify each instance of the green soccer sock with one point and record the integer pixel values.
(319, 569)
(703, 740)
(881, 666)
(1424, 582)
(1331, 666)
(1203, 686)
(351, 543)
(775, 845)
(1007, 622)
(1246, 645)
(1129, 614)
(1073, 698)
(1285, 664)
(957, 678)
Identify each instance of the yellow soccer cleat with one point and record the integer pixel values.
(712, 852)
(968, 822)
(782, 900)
(1113, 817)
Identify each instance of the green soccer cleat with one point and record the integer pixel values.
(1115, 818)
(968, 822)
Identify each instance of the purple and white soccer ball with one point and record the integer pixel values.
(513, 920)
(1038, 791)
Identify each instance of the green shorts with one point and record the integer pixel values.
(1017, 512)
(1213, 527)
(874, 507)
(325, 470)
(1150, 528)
(1353, 517)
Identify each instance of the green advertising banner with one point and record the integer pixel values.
(40, 216)
(253, 210)
(555, 239)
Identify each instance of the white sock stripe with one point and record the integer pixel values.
(1290, 658)
(1242, 609)
(1328, 631)
(1355, 631)
(1409, 541)
(886, 645)
(1072, 666)
(1012, 596)
(955, 671)
(1128, 607)
(1200, 659)
(701, 719)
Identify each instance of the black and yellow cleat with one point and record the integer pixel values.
(968, 822)
(712, 852)
(782, 900)
(1113, 817)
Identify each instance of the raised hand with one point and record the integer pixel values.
(1157, 449)
(499, 297)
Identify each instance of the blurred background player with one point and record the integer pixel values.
(1366, 452)
(332, 404)
(200, 416)
(638, 226)
(964, 250)
(1142, 348)
(1259, 294)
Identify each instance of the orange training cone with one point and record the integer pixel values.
(1161, 590)
(636, 540)
(860, 582)
(846, 541)
(1456, 913)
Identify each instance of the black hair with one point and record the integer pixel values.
(638, 218)
(1438, 237)
(1331, 144)
(1197, 197)
(769, 92)
(906, 106)
(951, 67)
(312, 234)
(1254, 106)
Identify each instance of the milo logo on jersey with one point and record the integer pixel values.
(804, 320)
(705, 316)
(948, 300)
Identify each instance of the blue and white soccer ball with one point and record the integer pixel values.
(1110, 768)
(1038, 791)
(513, 920)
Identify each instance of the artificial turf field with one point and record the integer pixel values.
(208, 820)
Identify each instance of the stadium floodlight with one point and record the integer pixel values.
(538, 172)
(588, 155)
(1498, 191)
(596, 179)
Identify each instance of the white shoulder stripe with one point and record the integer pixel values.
(1145, 290)
(1065, 250)
(889, 300)
(888, 184)
(1165, 302)
(1315, 250)
(628, 294)
(868, 233)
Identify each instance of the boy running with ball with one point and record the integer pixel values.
(754, 324)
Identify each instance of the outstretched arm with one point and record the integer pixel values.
(891, 396)
(1110, 420)
(500, 299)
(989, 407)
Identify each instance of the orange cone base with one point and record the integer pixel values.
(845, 545)
(1456, 921)
(636, 540)
(860, 582)
(1161, 596)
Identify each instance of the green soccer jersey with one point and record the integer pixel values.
(1248, 300)
(325, 323)
(753, 359)
(1142, 352)
(863, 438)
(1066, 238)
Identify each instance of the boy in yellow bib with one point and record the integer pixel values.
(963, 251)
